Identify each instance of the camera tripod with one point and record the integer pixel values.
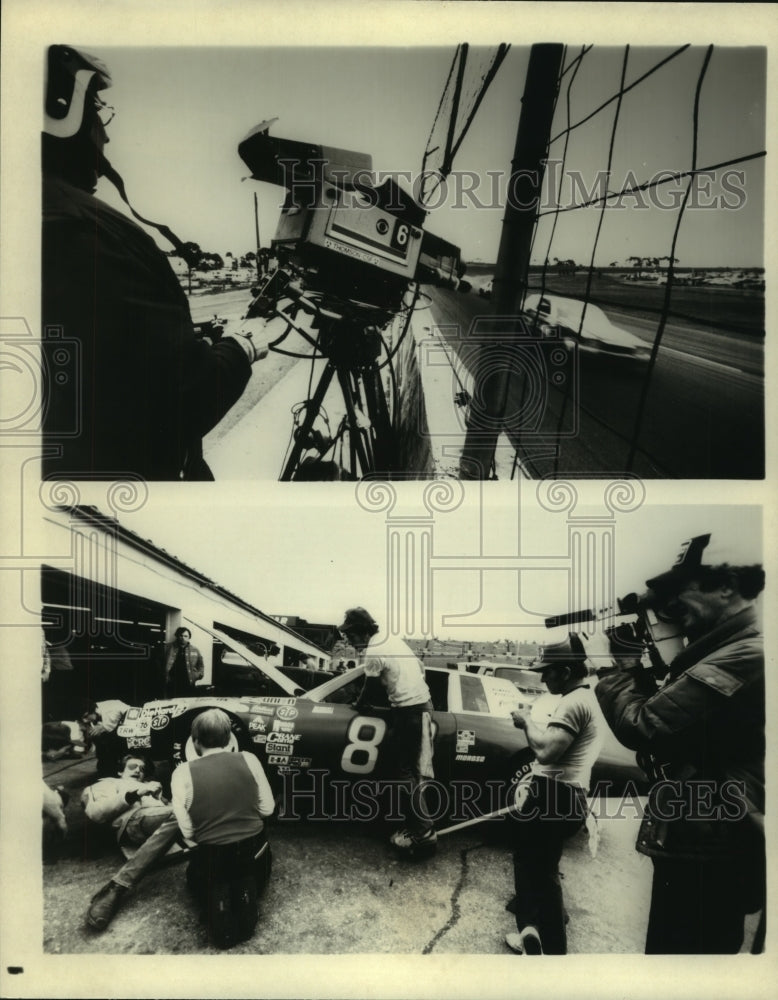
(352, 344)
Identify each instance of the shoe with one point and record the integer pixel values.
(402, 839)
(514, 943)
(530, 941)
(104, 904)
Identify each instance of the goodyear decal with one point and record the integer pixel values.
(470, 758)
(287, 711)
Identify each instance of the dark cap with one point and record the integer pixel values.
(358, 618)
(571, 650)
(686, 566)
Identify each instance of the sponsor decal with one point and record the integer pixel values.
(133, 713)
(300, 761)
(140, 727)
(257, 725)
(260, 738)
(278, 759)
(160, 721)
(282, 739)
(470, 758)
(466, 736)
(282, 727)
(262, 710)
(286, 712)
(139, 742)
(279, 701)
(322, 710)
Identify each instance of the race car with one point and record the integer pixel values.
(315, 745)
(597, 337)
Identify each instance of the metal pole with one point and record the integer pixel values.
(493, 373)
(256, 229)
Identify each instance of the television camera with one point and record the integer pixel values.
(343, 271)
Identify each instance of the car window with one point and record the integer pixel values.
(347, 694)
(473, 694)
(437, 682)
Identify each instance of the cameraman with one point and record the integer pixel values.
(701, 737)
(142, 390)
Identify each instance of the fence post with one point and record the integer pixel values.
(492, 380)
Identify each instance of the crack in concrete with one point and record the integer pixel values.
(456, 912)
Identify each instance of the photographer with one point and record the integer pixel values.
(140, 390)
(700, 734)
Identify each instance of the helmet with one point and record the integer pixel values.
(71, 75)
(359, 619)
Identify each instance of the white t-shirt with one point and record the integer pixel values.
(579, 713)
(400, 671)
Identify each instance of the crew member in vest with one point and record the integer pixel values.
(221, 799)
(183, 666)
(565, 748)
(393, 672)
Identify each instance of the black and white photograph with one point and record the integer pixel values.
(388, 486)
(471, 261)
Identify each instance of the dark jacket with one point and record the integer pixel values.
(195, 668)
(130, 391)
(705, 724)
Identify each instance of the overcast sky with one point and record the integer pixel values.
(181, 113)
(314, 554)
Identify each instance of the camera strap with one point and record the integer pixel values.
(107, 170)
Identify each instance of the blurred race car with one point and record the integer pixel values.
(597, 337)
(317, 743)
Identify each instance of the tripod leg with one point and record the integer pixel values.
(378, 411)
(311, 413)
(356, 433)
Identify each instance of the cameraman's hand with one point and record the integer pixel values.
(253, 343)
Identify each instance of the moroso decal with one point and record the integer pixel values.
(470, 758)
(286, 712)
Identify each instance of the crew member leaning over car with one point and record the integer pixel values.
(399, 672)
